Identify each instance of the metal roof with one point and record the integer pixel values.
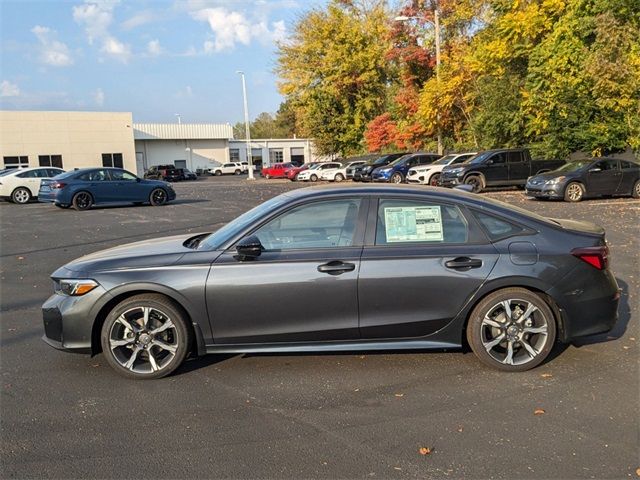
(175, 131)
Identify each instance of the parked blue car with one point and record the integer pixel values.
(396, 171)
(85, 187)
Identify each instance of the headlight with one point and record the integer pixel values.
(75, 287)
(456, 170)
(553, 181)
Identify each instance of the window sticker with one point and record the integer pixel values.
(413, 224)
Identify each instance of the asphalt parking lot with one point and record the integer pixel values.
(304, 416)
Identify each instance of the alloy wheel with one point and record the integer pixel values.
(514, 332)
(574, 192)
(396, 178)
(143, 340)
(636, 190)
(82, 201)
(158, 197)
(21, 195)
(433, 181)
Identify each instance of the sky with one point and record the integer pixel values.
(155, 58)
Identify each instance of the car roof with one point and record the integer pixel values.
(28, 169)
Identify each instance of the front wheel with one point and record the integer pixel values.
(237, 172)
(158, 197)
(397, 178)
(82, 201)
(313, 178)
(475, 182)
(512, 330)
(21, 195)
(267, 176)
(435, 178)
(574, 192)
(145, 337)
(218, 173)
(635, 193)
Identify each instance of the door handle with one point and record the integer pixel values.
(336, 267)
(463, 263)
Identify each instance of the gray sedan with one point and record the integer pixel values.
(342, 269)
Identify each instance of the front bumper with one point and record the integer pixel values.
(68, 321)
(450, 180)
(543, 191)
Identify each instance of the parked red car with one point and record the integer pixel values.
(293, 172)
(277, 170)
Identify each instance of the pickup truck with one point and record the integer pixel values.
(493, 168)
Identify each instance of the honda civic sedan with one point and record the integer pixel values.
(342, 269)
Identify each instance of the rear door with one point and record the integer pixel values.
(630, 175)
(422, 260)
(302, 288)
(604, 177)
(519, 167)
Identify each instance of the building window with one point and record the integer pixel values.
(234, 154)
(112, 160)
(50, 160)
(276, 155)
(15, 162)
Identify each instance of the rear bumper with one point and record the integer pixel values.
(47, 197)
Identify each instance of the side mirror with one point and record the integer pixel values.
(138, 179)
(249, 248)
(595, 170)
(490, 162)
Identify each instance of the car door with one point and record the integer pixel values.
(422, 261)
(97, 182)
(519, 167)
(124, 187)
(603, 177)
(303, 286)
(630, 175)
(496, 170)
(29, 179)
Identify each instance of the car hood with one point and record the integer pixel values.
(543, 177)
(147, 253)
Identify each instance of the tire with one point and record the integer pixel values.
(635, 193)
(396, 178)
(267, 176)
(140, 350)
(476, 183)
(62, 205)
(574, 192)
(82, 201)
(313, 178)
(21, 195)
(158, 197)
(218, 173)
(530, 337)
(237, 172)
(433, 181)
(338, 178)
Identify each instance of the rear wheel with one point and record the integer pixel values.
(433, 181)
(145, 337)
(635, 193)
(158, 197)
(574, 192)
(267, 176)
(512, 329)
(339, 177)
(476, 183)
(82, 201)
(21, 195)
(237, 172)
(397, 178)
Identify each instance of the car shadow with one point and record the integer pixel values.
(196, 363)
(115, 206)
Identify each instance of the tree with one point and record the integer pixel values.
(334, 74)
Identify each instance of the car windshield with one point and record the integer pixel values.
(400, 161)
(444, 160)
(574, 166)
(228, 231)
(380, 161)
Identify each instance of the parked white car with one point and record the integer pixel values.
(232, 168)
(429, 174)
(339, 174)
(20, 185)
(314, 173)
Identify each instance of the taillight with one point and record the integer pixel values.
(597, 257)
(56, 185)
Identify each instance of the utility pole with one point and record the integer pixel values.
(436, 24)
(246, 127)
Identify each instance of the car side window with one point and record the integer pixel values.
(496, 227)
(514, 157)
(29, 174)
(498, 158)
(413, 221)
(94, 176)
(607, 165)
(53, 172)
(628, 165)
(461, 159)
(325, 224)
(122, 175)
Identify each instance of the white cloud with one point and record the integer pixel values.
(186, 92)
(8, 89)
(96, 17)
(140, 18)
(231, 28)
(99, 97)
(52, 51)
(153, 48)
(116, 49)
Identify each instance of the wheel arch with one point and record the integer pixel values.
(197, 339)
(474, 173)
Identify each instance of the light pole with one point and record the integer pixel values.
(247, 134)
(179, 118)
(436, 26)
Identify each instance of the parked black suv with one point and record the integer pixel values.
(363, 173)
(493, 168)
(168, 173)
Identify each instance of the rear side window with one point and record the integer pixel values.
(412, 221)
(29, 174)
(94, 176)
(497, 227)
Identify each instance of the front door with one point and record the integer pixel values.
(603, 178)
(302, 288)
(496, 171)
(416, 274)
(125, 187)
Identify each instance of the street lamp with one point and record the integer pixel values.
(436, 26)
(246, 127)
(179, 118)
